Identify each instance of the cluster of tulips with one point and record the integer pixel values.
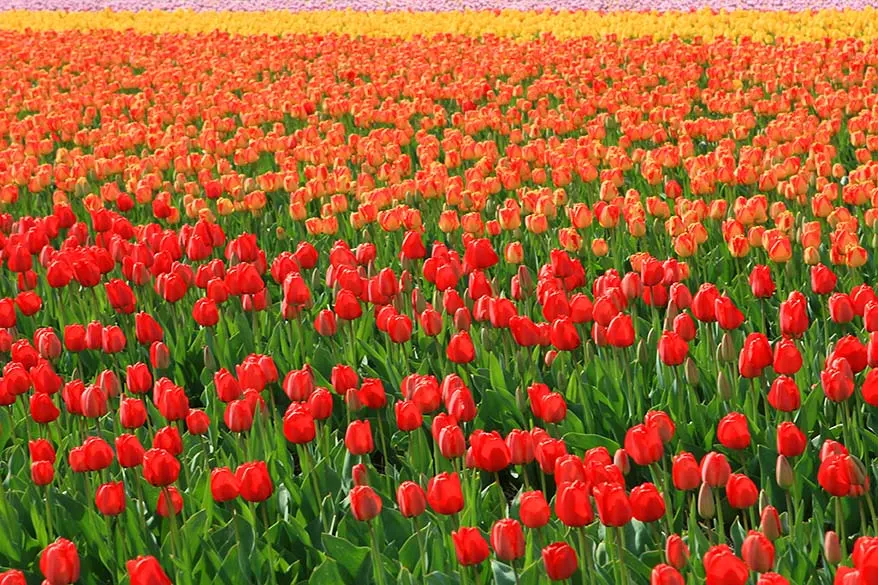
(333, 310)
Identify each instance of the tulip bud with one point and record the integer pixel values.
(485, 337)
(418, 300)
(831, 547)
(359, 474)
(691, 371)
(651, 337)
(462, 320)
(550, 357)
(352, 399)
(620, 460)
(858, 471)
(676, 551)
(520, 399)
(209, 362)
(437, 299)
(670, 315)
(706, 505)
(728, 348)
(723, 385)
(769, 522)
(783, 473)
(642, 352)
(588, 351)
(718, 354)
(526, 281)
(763, 499)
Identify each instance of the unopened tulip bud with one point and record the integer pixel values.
(437, 300)
(520, 399)
(769, 523)
(858, 471)
(691, 371)
(763, 499)
(418, 300)
(723, 385)
(783, 473)
(485, 337)
(706, 505)
(620, 460)
(651, 337)
(642, 352)
(550, 357)
(718, 354)
(526, 281)
(670, 315)
(280, 233)
(728, 348)
(352, 399)
(209, 362)
(831, 547)
(405, 281)
(315, 282)
(360, 475)
(462, 320)
(588, 351)
(676, 552)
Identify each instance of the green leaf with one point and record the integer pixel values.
(503, 573)
(580, 442)
(351, 559)
(326, 573)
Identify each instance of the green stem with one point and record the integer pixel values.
(421, 548)
(720, 525)
(376, 556)
(270, 551)
(839, 526)
(620, 531)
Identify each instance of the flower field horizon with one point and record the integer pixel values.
(438, 293)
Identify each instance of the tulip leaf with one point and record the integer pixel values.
(437, 578)
(326, 573)
(581, 442)
(503, 573)
(351, 560)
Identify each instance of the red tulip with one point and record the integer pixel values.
(672, 349)
(42, 473)
(665, 575)
(534, 510)
(685, 472)
(761, 283)
(647, 504)
(444, 494)
(299, 427)
(572, 505)
(741, 491)
(59, 563)
(224, 485)
(160, 468)
(110, 498)
(722, 567)
(490, 451)
(146, 570)
(758, 552)
(507, 540)
(676, 551)
(256, 484)
(176, 498)
(560, 561)
(732, 431)
(365, 503)
(614, 507)
(129, 451)
(460, 348)
(411, 499)
(791, 442)
(715, 470)
(794, 315)
(644, 444)
(823, 281)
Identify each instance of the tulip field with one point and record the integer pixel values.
(438, 295)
